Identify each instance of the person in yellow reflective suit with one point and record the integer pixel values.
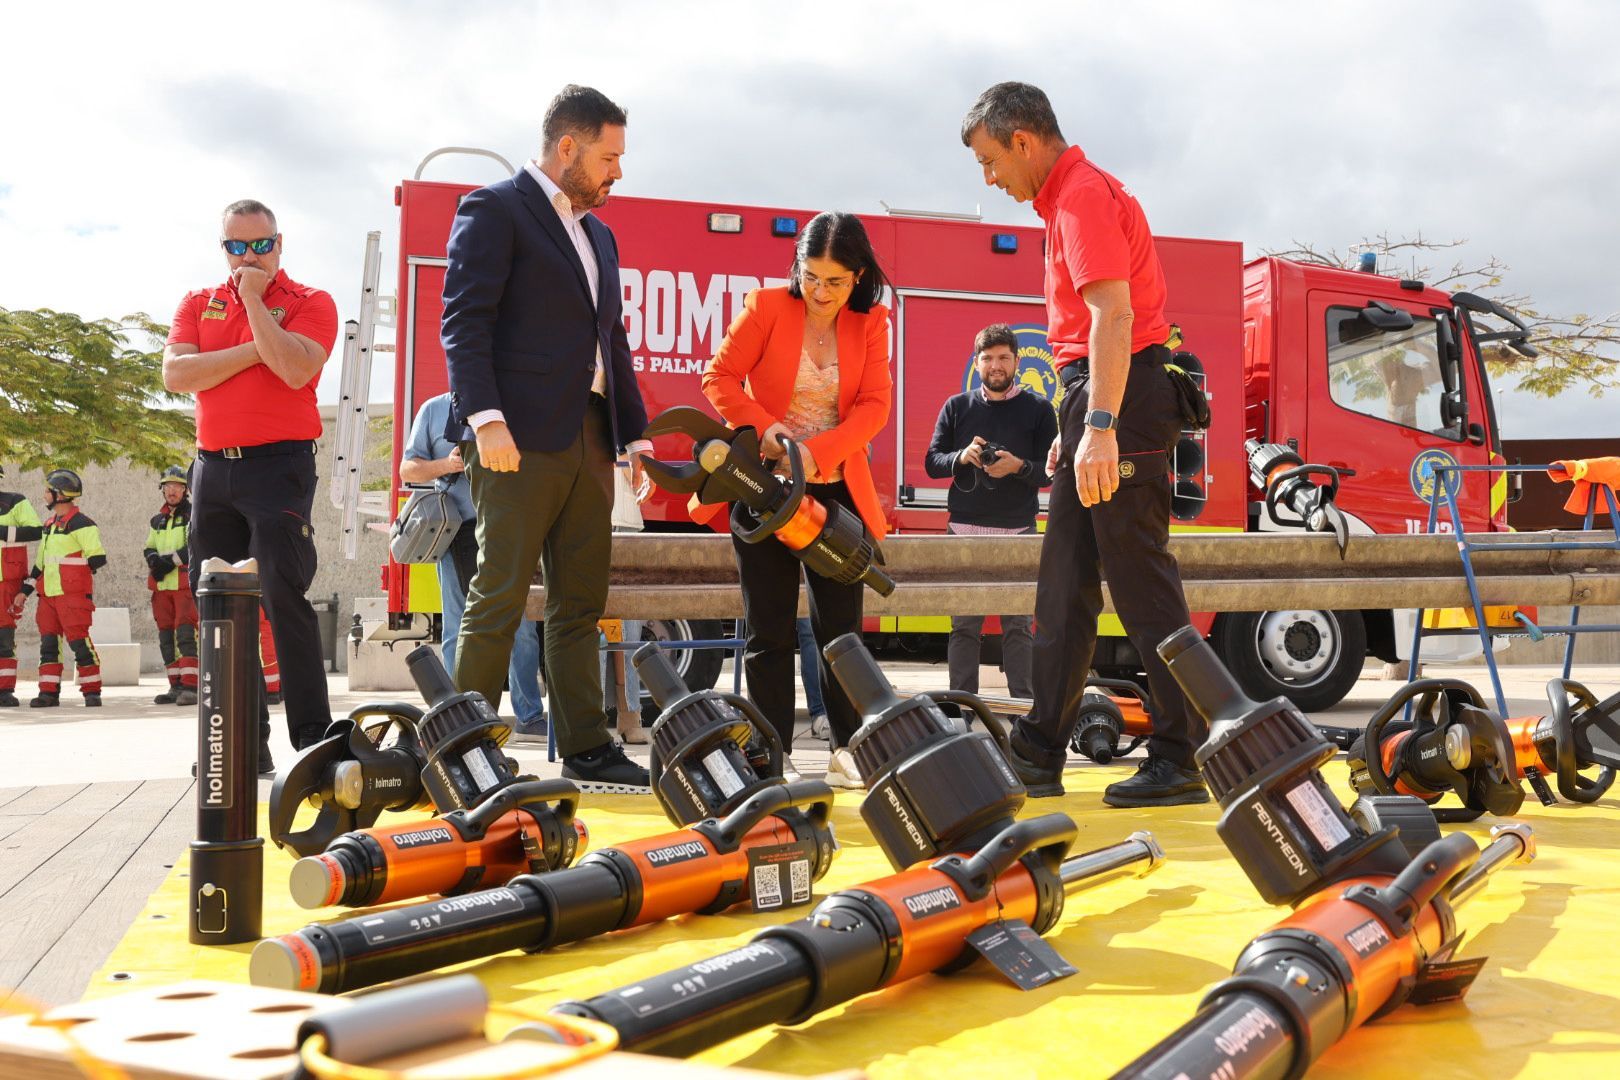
(70, 553)
(174, 609)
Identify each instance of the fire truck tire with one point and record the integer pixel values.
(698, 668)
(1312, 658)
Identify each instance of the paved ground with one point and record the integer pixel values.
(96, 805)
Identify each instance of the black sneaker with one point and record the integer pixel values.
(267, 764)
(92, 701)
(168, 696)
(187, 696)
(46, 701)
(1158, 782)
(1040, 781)
(8, 700)
(606, 769)
(534, 731)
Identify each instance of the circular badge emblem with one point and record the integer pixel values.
(1035, 369)
(1127, 469)
(1422, 475)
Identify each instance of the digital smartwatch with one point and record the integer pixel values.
(1101, 420)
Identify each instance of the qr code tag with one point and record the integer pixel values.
(767, 887)
(767, 869)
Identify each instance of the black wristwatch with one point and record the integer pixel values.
(1101, 420)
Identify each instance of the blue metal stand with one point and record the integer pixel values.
(1446, 486)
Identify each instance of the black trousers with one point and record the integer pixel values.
(770, 574)
(260, 507)
(1125, 541)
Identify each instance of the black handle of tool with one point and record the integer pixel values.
(523, 793)
(1566, 757)
(727, 833)
(1204, 1045)
(1372, 742)
(992, 722)
(1049, 836)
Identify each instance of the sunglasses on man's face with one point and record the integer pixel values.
(240, 247)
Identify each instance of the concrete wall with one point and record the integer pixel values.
(122, 499)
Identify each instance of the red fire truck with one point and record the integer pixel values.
(1290, 353)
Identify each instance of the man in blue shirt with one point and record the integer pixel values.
(430, 458)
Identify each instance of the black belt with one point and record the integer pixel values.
(270, 449)
(1154, 354)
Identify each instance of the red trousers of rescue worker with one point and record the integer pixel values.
(67, 616)
(267, 656)
(11, 579)
(175, 612)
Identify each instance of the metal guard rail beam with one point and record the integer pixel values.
(694, 576)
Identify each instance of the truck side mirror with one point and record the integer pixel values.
(1385, 317)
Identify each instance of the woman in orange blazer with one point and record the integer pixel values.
(809, 361)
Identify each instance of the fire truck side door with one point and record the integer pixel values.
(1385, 398)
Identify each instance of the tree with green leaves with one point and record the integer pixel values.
(75, 392)
(1575, 350)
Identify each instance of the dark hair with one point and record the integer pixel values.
(581, 112)
(1008, 107)
(249, 206)
(835, 235)
(991, 336)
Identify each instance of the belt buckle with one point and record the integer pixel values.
(232, 452)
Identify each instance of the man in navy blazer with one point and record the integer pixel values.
(540, 371)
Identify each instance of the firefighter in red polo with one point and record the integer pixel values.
(19, 526)
(70, 553)
(251, 349)
(173, 607)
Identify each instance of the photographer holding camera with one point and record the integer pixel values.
(992, 442)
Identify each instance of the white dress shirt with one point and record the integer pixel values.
(573, 223)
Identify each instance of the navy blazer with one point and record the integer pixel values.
(519, 331)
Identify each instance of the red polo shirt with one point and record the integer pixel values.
(1096, 231)
(254, 406)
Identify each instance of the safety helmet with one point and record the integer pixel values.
(174, 474)
(64, 483)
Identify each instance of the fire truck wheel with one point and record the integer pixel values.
(1312, 658)
(698, 668)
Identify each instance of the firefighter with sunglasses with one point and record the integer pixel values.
(251, 349)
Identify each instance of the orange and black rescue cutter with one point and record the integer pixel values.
(1450, 742)
(726, 466)
(1374, 923)
(941, 803)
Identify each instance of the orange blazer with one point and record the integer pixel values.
(750, 381)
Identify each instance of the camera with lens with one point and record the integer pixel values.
(990, 452)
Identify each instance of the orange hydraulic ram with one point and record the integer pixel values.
(704, 868)
(864, 939)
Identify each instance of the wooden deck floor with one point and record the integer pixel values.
(77, 864)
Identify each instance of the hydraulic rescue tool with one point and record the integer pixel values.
(1105, 717)
(352, 778)
(493, 823)
(1453, 743)
(704, 760)
(1374, 927)
(227, 858)
(1284, 479)
(705, 868)
(726, 466)
(940, 801)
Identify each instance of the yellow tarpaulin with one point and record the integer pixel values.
(1546, 1004)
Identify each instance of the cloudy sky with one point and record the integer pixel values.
(128, 126)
